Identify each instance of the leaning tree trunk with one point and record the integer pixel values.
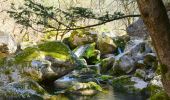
(155, 17)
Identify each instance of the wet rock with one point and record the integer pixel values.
(88, 52)
(107, 64)
(32, 73)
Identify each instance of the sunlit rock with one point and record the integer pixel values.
(105, 44)
(80, 37)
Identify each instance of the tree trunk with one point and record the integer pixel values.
(155, 17)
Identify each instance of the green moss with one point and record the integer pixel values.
(24, 89)
(54, 49)
(123, 84)
(153, 89)
(26, 55)
(107, 64)
(2, 61)
(80, 37)
(8, 71)
(105, 77)
(160, 96)
(117, 71)
(90, 51)
(82, 86)
(95, 86)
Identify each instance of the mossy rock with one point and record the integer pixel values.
(54, 49)
(89, 88)
(160, 96)
(89, 53)
(126, 85)
(23, 89)
(156, 93)
(81, 37)
(106, 45)
(121, 42)
(107, 64)
(105, 77)
(140, 73)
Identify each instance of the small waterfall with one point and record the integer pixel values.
(80, 51)
(129, 47)
(119, 50)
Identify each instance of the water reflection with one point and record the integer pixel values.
(108, 94)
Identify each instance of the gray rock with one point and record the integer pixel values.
(65, 82)
(107, 64)
(23, 89)
(123, 65)
(137, 29)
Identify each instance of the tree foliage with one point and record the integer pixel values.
(49, 18)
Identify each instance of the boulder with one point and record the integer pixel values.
(23, 89)
(137, 29)
(80, 37)
(89, 53)
(150, 60)
(127, 84)
(123, 65)
(106, 45)
(64, 82)
(107, 64)
(56, 59)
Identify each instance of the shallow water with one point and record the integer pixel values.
(109, 94)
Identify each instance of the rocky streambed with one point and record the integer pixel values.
(83, 66)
